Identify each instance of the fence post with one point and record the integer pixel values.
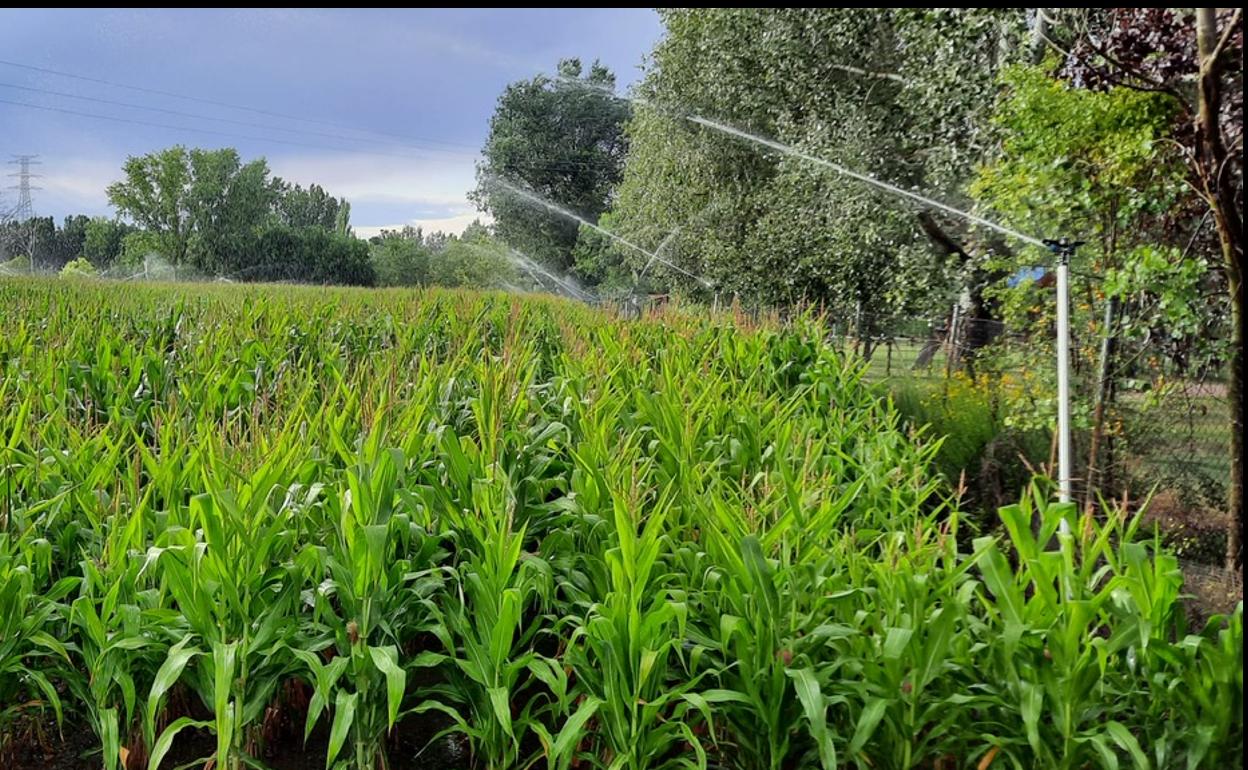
(952, 340)
(1096, 474)
(857, 326)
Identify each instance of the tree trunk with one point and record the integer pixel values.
(1038, 40)
(1219, 191)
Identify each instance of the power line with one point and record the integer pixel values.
(558, 165)
(202, 130)
(201, 100)
(197, 116)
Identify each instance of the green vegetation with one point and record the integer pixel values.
(78, 268)
(685, 541)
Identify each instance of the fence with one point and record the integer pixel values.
(1145, 424)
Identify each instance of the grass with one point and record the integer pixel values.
(677, 542)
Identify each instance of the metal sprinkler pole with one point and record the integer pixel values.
(1063, 249)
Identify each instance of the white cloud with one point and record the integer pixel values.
(442, 180)
(75, 184)
(450, 225)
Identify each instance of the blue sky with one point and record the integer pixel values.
(429, 76)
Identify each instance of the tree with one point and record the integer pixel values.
(1198, 61)
(312, 207)
(308, 255)
(79, 268)
(479, 263)
(71, 238)
(227, 200)
(103, 240)
(561, 138)
(897, 93)
(400, 258)
(199, 206)
(155, 194)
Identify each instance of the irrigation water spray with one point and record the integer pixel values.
(865, 178)
(567, 284)
(561, 211)
(786, 149)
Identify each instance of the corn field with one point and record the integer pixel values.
(404, 521)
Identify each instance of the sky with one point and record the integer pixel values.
(386, 107)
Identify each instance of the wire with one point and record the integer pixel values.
(158, 92)
(197, 116)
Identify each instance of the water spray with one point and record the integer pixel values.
(537, 199)
(1062, 249)
(864, 178)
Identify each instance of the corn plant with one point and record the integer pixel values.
(627, 653)
(486, 637)
(237, 589)
(122, 639)
(686, 540)
(1063, 679)
(380, 576)
(32, 658)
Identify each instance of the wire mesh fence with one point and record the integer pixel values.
(1146, 427)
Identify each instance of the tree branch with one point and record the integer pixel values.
(941, 238)
(869, 73)
(1220, 48)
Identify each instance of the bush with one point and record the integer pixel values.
(305, 255)
(976, 442)
(79, 268)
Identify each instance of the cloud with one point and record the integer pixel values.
(441, 180)
(450, 225)
(75, 184)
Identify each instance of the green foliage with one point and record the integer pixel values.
(473, 259)
(137, 246)
(48, 244)
(312, 207)
(104, 240)
(857, 87)
(1089, 162)
(562, 138)
(400, 260)
(209, 211)
(678, 542)
(18, 265)
(79, 268)
(603, 263)
(472, 263)
(306, 255)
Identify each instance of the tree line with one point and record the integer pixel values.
(207, 213)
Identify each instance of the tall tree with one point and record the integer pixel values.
(199, 206)
(1198, 60)
(559, 137)
(155, 195)
(311, 207)
(103, 240)
(897, 93)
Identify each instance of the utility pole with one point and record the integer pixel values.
(24, 212)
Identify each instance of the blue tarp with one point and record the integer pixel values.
(1032, 273)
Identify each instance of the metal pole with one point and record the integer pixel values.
(1063, 378)
(1063, 249)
